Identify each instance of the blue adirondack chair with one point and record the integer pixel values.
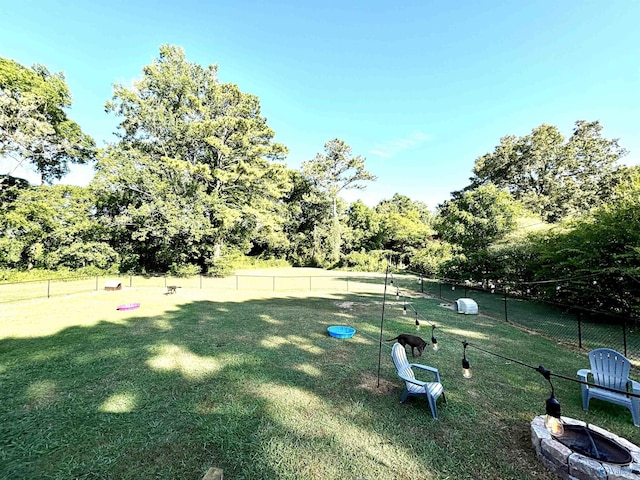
(610, 369)
(414, 387)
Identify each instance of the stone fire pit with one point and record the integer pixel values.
(570, 465)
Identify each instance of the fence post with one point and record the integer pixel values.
(580, 329)
(237, 282)
(440, 286)
(506, 316)
(624, 335)
(274, 283)
(200, 282)
(48, 288)
(347, 284)
(96, 283)
(421, 284)
(130, 281)
(310, 283)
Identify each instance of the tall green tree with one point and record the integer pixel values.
(406, 225)
(308, 214)
(196, 167)
(473, 221)
(553, 176)
(365, 227)
(52, 227)
(333, 171)
(34, 127)
(599, 253)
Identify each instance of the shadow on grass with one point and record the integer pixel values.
(257, 388)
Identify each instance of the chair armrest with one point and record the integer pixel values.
(428, 369)
(583, 374)
(634, 386)
(412, 380)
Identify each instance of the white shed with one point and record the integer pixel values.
(467, 306)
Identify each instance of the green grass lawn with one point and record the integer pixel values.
(555, 322)
(249, 381)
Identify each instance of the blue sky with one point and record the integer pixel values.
(419, 88)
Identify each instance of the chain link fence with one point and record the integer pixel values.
(585, 328)
(347, 282)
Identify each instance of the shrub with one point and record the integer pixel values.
(430, 259)
(184, 270)
(372, 261)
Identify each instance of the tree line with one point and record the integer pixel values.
(196, 181)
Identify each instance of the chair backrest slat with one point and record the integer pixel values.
(609, 368)
(399, 355)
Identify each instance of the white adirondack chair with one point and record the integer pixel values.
(610, 369)
(413, 386)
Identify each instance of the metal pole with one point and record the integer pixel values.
(237, 282)
(624, 335)
(48, 288)
(384, 299)
(96, 283)
(274, 283)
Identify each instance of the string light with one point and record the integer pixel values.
(404, 307)
(552, 421)
(398, 293)
(466, 366)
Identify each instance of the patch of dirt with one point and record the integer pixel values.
(345, 305)
(369, 382)
(522, 453)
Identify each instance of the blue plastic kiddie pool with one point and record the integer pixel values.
(340, 331)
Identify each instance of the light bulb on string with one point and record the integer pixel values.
(398, 293)
(417, 322)
(404, 308)
(466, 366)
(434, 342)
(420, 279)
(553, 419)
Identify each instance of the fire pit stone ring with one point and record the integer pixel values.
(569, 464)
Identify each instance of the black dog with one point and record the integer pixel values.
(405, 339)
